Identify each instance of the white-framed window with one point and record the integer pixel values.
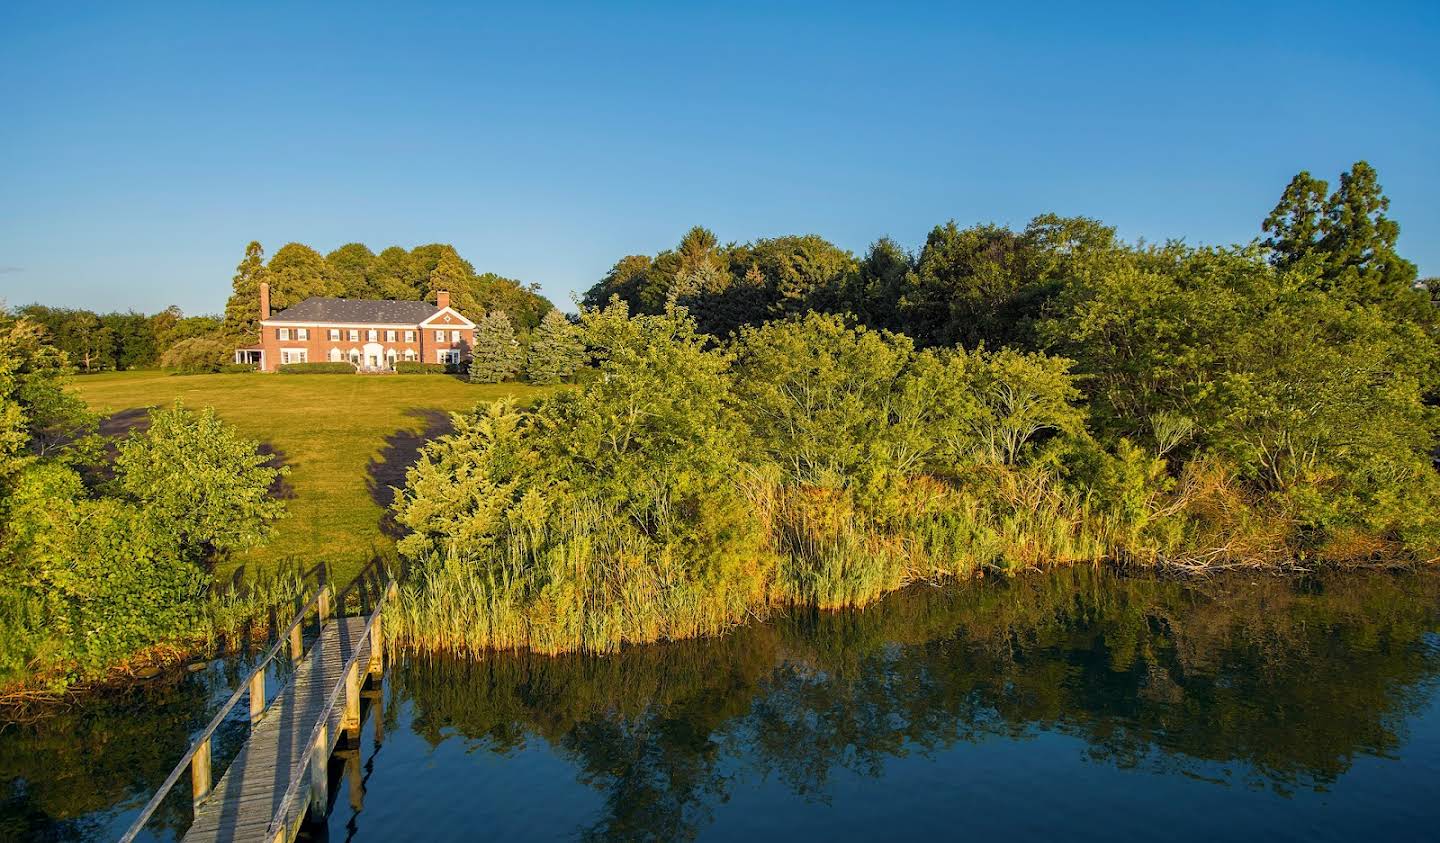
(389, 336)
(354, 335)
(336, 356)
(390, 358)
(334, 334)
(293, 355)
(439, 336)
(409, 336)
(372, 335)
(447, 355)
(409, 353)
(355, 356)
(302, 333)
(282, 334)
(454, 336)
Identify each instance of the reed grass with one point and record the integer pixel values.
(590, 580)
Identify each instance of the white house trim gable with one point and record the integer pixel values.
(462, 321)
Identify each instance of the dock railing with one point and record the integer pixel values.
(323, 604)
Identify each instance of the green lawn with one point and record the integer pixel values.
(346, 439)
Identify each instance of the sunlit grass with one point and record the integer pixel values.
(344, 438)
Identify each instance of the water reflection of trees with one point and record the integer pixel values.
(66, 773)
(63, 775)
(1282, 682)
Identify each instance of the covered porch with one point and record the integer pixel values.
(251, 354)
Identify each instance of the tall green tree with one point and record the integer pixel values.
(1346, 240)
(298, 272)
(352, 266)
(875, 288)
(394, 275)
(1297, 222)
(556, 350)
(452, 274)
(497, 355)
(242, 310)
(634, 281)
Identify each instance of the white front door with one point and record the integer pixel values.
(374, 353)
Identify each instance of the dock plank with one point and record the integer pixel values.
(245, 800)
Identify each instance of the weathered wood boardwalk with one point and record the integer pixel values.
(282, 771)
(248, 798)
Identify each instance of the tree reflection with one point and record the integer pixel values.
(64, 775)
(1276, 683)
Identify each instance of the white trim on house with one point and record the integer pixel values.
(276, 323)
(290, 352)
(466, 323)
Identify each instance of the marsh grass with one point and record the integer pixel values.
(589, 581)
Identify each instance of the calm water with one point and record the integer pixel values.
(1077, 704)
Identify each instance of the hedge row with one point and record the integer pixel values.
(214, 369)
(415, 367)
(317, 369)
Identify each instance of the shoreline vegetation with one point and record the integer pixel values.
(688, 488)
(744, 427)
(778, 423)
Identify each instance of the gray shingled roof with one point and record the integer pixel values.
(357, 311)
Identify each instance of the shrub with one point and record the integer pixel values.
(336, 368)
(94, 580)
(199, 477)
(197, 355)
(415, 367)
(237, 368)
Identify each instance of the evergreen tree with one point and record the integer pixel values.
(1346, 240)
(496, 356)
(242, 311)
(1296, 223)
(1359, 240)
(556, 350)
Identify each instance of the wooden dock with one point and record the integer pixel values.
(281, 775)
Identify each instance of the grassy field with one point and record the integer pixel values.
(346, 438)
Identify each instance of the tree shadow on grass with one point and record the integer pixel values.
(279, 487)
(125, 422)
(402, 448)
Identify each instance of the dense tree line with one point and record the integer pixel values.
(97, 342)
(781, 423)
(296, 272)
(990, 284)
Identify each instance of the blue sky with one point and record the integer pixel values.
(142, 145)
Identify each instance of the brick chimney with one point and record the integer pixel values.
(264, 300)
(442, 299)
